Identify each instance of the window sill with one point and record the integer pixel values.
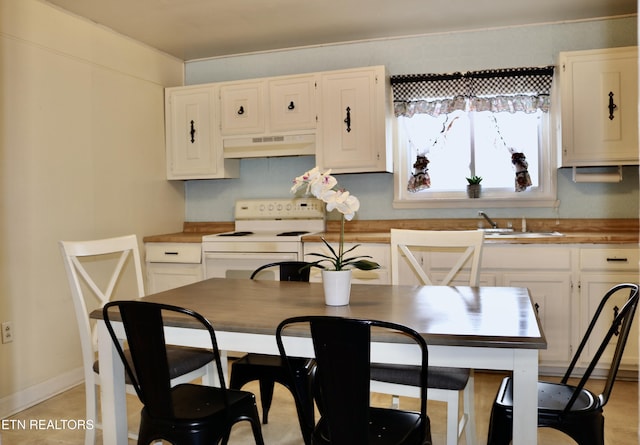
(476, 203)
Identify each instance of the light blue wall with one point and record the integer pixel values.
(212, 200)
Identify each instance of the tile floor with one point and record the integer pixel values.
(621, 418)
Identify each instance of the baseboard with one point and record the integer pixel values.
(33, 395)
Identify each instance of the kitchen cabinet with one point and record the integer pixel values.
(599, 107)
(600, 269)
(355, 128)
(242, 107)
(191, 134)
(171, 265)
(544, 270)
(380, 253)
(270, 105)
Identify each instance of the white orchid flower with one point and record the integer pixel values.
(343, 202)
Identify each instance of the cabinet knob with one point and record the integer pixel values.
(291, 106)
(241, 110)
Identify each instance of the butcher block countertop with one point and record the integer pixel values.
(575, 231)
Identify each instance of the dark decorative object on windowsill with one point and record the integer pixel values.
(474, 188)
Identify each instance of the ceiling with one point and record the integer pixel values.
(194, 29)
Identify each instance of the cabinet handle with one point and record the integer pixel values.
(619, 260)
(612, 106)
(537, 307)
(193, 132)
(241, 110)
(616, 311)
(171, 253)
(291, 106)
(347, 120)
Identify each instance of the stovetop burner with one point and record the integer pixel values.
(245, 233)
(293, 233)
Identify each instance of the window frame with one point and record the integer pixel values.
(545, 195)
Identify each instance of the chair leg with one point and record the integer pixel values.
(91, 402)
(266, 396)
(210, 377)
(469, 411)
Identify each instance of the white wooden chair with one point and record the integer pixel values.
(87, 264)
(444, 384)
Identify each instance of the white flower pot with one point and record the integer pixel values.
(337, 287)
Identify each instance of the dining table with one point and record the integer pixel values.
(485, 327)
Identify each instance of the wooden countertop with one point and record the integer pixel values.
(575, 231)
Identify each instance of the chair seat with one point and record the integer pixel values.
(438, 377)
(182, 360)
(200, 413)
(386, 426)
(552, 397)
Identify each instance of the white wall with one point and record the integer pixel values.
(81, 157)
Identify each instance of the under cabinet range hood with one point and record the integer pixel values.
(269, 146)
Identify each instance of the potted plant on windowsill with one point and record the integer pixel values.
(337, 277)
(474, 188)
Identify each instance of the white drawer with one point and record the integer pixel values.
(542, 257)
(609, 259)
(184, 253)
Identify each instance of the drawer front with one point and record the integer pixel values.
(527, 258)
(185, 253)
(609, 259)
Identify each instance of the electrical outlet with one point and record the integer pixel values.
(7, 332)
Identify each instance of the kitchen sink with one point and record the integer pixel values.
(513, 234)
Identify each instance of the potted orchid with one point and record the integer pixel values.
(325, 187)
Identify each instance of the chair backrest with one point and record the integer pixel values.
(149, 369)
(343, 356)
(86, 264)
(620, 326)
(466, 244)
(289, 270)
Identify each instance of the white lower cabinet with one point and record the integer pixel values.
(566, 283)
(601, 269)
(171, 265)
(380, 253)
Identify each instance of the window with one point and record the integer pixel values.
(487, 124)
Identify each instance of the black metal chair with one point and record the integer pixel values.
(187, 413)
(269, 369)
(574, 410)
(342, 384)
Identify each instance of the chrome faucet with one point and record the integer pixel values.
(494, 225)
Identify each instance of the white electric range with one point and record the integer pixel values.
(266, 231)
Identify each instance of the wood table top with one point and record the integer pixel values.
(461, 316)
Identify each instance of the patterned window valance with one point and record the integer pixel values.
(511, 90)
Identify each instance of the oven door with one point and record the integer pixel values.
(242, 264)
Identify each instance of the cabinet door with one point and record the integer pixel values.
(599, 107)
(292, 103)
(593, 286)
(242, 107)
(189, 132)
(551, 296)
(352, 119)
(165, 276)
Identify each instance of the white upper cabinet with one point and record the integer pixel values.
(191, 149)
(342, 117)
(354, 127)
(292, 103)
(271, 105)
(599, 107)
(242, 107)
